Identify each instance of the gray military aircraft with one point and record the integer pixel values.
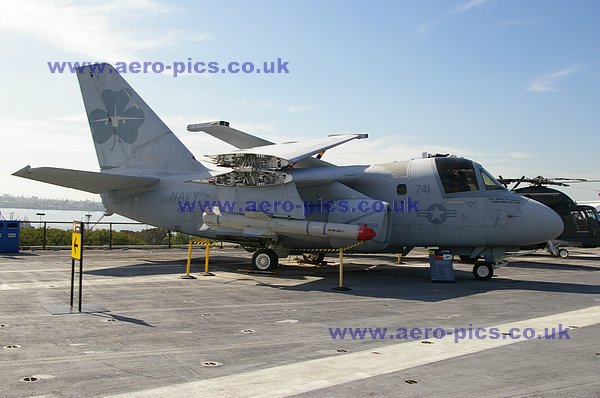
(277, 199)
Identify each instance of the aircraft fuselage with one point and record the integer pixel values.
(406, 203)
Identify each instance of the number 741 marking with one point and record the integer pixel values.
(423, 188)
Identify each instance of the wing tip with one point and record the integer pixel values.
(22, 172)
(200, 126)
(358, 136)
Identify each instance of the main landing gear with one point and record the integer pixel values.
(313, 258)
(265, 260)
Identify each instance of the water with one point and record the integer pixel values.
(66, 217)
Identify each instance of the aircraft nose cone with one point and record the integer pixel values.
(539, 223)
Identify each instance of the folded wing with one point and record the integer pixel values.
(290, 153)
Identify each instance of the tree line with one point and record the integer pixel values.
(102, 237)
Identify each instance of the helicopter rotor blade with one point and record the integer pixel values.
(541, 181)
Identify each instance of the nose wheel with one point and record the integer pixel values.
(483, 270)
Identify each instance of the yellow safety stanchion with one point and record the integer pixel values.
(341, 251)
(206, 257)
(206, 243)
(341, 273)
(341, 268)
(189, 263)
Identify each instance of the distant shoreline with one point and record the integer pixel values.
(34, 202)
(73, 208)
(63, 219)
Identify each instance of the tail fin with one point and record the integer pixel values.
(129, 137)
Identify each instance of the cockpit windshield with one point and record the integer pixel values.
(457, 174)
(490, 182)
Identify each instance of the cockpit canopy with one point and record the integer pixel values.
(460, 175)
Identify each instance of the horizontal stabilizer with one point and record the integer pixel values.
(88, 181)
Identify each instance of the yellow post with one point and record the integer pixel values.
(341, 286)
(399, 258)
(341, 281)
(206, 257)
(189, 263)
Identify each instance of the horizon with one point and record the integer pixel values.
(511, 85)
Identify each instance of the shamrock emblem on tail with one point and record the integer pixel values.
(117, 119)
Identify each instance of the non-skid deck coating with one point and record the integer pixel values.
(240, 334)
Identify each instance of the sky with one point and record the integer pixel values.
(512, 84)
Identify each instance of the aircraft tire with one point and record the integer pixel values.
(265, 260)
(483, 271)
(313, 258)
(563, 253)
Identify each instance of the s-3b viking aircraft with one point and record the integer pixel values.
(278, 199)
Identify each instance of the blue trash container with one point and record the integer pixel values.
(10, 236)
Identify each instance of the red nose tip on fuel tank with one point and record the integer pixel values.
(365, 233)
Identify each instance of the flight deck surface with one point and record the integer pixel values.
(242, 334)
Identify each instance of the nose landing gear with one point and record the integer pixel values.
(483, 270)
